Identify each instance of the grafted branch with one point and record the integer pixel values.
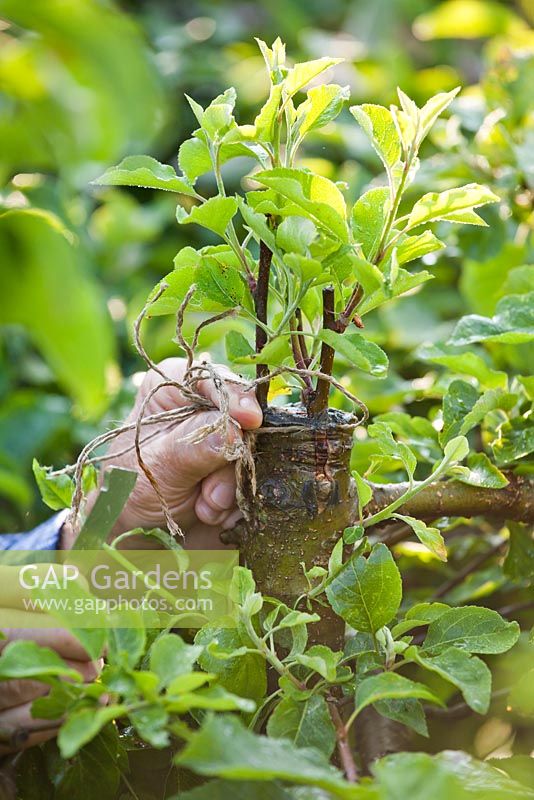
(455, 499)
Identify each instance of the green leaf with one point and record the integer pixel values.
(151, 725)
(450, 775)
(417, 431)
(412, 247)
(381, 432)
(238, 349)
(456, 449)
(408, 711)
(369, 215)
(318, 197)
(468, 673)
(56, 491)
(194, 158)
(321, 659)
(215, 214)
(516, 440)
(519, 562)
(430, 537)
(25, 659)
(45, 286)
(245, 674)
(215, 698)
(79, 778)
(126, 646)
(390, 685)
(240, 790)
(295, 235)
(242, 585)
(306, 723)
(463, 409)
(451, 205)
(322, 106)
(467, 363)
(367, 593)
(513, 323)
(377, 122)
(404, 282)
(83, 725)
(219, 280)
(301, 74)
(481, 472)
(471, 628)
(359, 351)
(432, 109)
(147, 172)
(365, 493)
(170, 656)
(224, 747)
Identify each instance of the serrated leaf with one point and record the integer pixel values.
(432, 109)
(381, 432)
(456, 449)
(295, 234)
(468, 673)
(516, 440)
(513, 323)
(481, 472)
(450, 205)
(369, 215)
(238, 349)
(301, 74)
(471, 628)
(320, 659)
(318, 197)
(377, 122)
(194, 158)
(218, 279)
(367, 592)
(430, 537)
(322, 106)
(83, 725)
(25, 659)
(389, 685)
(467, 363)
(359, 351)
(215, 214)
(412, 247)
(56, 490)
(225, 748)
(408, 711)
(306, 724)
(243, 673)
(170, 656)
(146, 172)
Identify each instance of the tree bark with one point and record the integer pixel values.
(455, 499)
(302, 502)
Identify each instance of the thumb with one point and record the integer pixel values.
(192, 456)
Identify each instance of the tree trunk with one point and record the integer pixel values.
(297, 504)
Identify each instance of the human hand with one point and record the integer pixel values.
(17, 696)
(196, 480)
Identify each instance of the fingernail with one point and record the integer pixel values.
(248, 402)
(223, 495)
(215, 442)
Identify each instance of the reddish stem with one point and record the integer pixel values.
(261, 295)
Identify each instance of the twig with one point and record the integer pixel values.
(261, 296)
(319, 401)
(469, 568)
(343, 747)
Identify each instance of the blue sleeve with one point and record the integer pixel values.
(44, 537)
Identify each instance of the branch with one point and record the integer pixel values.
(455, 499)
(260, 302)
(319, 400)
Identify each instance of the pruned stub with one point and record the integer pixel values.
(304, 497)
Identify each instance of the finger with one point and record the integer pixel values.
(218, 489)
(33, 739)
(244, 407)
(232, 519)
(207, 514)
(188, 462)
(58, 639)
(204, 537)
(17, 692)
